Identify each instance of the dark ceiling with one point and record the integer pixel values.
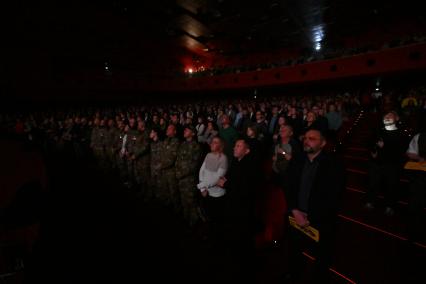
(152, 36)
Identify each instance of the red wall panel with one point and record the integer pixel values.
(387, 61)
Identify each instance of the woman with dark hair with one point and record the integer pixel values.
(210, 132)
(281, 121)
(252, 139)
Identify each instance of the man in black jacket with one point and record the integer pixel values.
(385, 166)
(240, 183)
(316, 180)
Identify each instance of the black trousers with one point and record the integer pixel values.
(416, 203)
(215, 211)
(386, 177)
(322, 251)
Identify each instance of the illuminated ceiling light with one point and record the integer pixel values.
(377, 89)
(317, 36)
(317, 33)
(318, 46)
(190, 70)
(206, 49)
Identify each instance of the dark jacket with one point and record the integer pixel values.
(393, 151)
(240, 188)
(324, 197)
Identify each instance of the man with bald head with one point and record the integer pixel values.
(316, 180)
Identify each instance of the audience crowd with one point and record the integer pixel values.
(206, 160)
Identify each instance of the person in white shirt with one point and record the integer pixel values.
(416, 152)
(213, 168)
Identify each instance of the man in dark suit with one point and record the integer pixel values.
(316, 180)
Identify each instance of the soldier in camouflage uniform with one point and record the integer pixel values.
(130, 156)
(142, 160)
(97, 143)
(187, 166)
(168, 182)
(122, 153)
(155, 164)
(112, 134)
(117, 142)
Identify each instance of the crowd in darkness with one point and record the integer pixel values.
(325, 54)
(205, 160)
(72, 129)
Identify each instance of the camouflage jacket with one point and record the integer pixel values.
(168, 153)
(155, 151)
(142, 145)
(98, 136)
(112, 135)
(132, 140)
(118, 140)
(187, 160)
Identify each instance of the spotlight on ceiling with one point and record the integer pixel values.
(317, 46)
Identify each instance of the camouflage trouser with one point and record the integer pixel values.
(78, 150)
(122, 167)
(131, 178)
(187, 189)
(155, 184)
(169, 187)
(99, 154)
(111, 158)
(143, 175)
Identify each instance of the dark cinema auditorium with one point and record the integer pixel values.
(213, 141)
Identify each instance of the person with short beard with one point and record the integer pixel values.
(315, 182)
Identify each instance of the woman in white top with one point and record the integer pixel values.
(214, 167)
